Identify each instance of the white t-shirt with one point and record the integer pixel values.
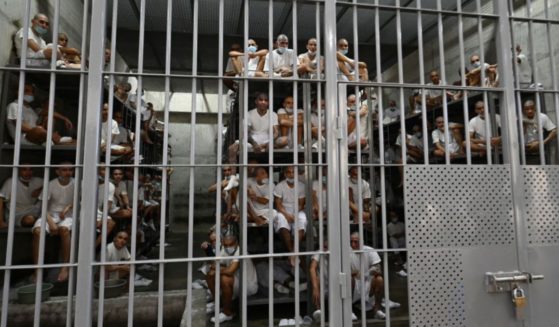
(33, 58)
(105, 126)
(262, 192)
(531, 127)
(433, 93)
(101, 195)
(324, 273)
(370, 257)
(438, 137)
(258, 126)
(280, 60)
(315, 119)
(122, 136)
(320, 189)
(114, 254)
(249, 274)
(24, 199)
(313, 62)
(120, 190)
(59, 196)
(365, 189)
(477, 126)
(390, 114)
(28, 116)
(363, 133)
(252, 65)
(290, 201)
(289, 112)
(412, 139)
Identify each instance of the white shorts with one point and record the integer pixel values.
(100, 215)
(34, 211)
(281, 222)
(359, 291)
(251, 289)
(66, 222)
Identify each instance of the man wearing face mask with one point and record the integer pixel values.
(230, 278)
(473, 76)
(255, 60)
(354, 109)
(31, 131)
(318, 123)
(477, 130)
(355, 196)
(259, 198)
(286, 118)
(60, 197)
(280, 61)
(38, 53)
(27, 192)
(533, 125)
(308, 62)
(347, 66)
(290, 206)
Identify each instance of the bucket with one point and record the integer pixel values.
(26, 294)
(113, 288)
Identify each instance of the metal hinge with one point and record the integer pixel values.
(339, 128)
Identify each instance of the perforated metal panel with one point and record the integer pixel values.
(437, 291)
(458, 206)
(541, 195)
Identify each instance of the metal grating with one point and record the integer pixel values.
(541, 195)
(436, 288)
(458, 206)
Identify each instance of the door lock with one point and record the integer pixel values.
(496, 282)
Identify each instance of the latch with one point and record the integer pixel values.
(501, 281)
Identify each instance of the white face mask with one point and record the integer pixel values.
(28, 98)
(263, 181)
(476, 64)
(354, 180)
(290, 180)
(312, 53)
(281, 50)
(230, 250)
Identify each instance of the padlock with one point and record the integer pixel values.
(520, 301)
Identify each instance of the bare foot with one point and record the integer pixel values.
(63, 274)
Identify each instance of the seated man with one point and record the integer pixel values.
(477, 130)
(280, 61)
(255, 62)
(118, 252)
(68, 125)
(434, 97)
(100, 205)
(320, 196)
(355, 197)
(318, 123)
(259, 129)
(230, 278)
(532, 127)
(38, 53)
(391, 114)
(121, 91)
(112, 126)
(286, 119)
(28, 190)
(31, 131)
(121, 209)
(70, 57)
(414, 152)
(353, 109)
(229, 190)
(374, 282)
(290, 206)
(259, 198)
(308, 62)
(346, 66)
(123, 138)
(396, 231)
(455, 143)
(473, 76)
(60, 197)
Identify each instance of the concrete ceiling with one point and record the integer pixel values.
(258, 27)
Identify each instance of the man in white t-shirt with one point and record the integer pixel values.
(101, 202)
(391, 113)
(280, 61)
(122, 202)
(477, 129)
(355, 197)
(229, 187)
(523, 67)
(230, 277)
(320, 196)
(346, 66)
(31, 131)
(372, 276)
(318, 123)
(38, 54)
(308, 62)
(118, 252)
(473, 76)
(456, 139)
(286, 119)
(259, 198)
(60, 197)
(123, 137)
(355, 109)
(255, 61)
(533, 126)
(28, 190)
(290, 207)
(434, 97)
